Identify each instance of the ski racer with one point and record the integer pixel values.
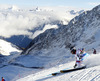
(3, 79)
(80, 55)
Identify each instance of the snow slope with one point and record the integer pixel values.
(91, 73)
(8, 51)
(6, 48)
(18, 73)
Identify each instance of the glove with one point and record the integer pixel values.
(80, 56)
(75, 65)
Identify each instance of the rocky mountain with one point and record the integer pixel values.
(83, 29)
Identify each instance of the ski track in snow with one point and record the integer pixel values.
(97, 77)
(85, 75)
(88, 74)
(82, 78)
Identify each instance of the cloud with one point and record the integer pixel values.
(16, 21)
(14, 24)
(20, 22)
(45, 28)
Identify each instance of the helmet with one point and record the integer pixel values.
(73, 50)
(83, 49)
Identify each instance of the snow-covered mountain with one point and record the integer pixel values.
(22, 25)
(8, 51)
(49, 48)
(49, 52)
(77, 32)
(6, 48)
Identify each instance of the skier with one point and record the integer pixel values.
(94, 51)
(3, 79)
(80, 55)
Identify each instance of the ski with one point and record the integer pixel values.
(64, 71)
(55, 73)
(68, 70)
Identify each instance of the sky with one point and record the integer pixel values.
(72, 3)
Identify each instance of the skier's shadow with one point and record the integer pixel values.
(42, 79)
(50, 76)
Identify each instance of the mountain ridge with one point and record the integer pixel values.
(69, 34)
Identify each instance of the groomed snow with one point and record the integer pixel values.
(91, 73)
